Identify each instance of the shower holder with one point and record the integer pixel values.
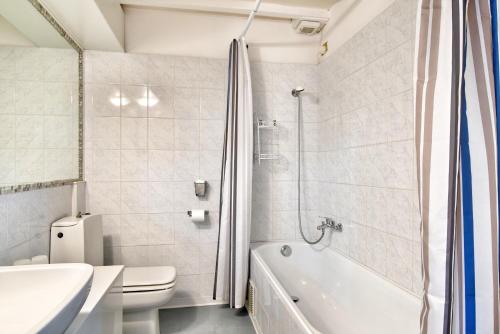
(265, 125)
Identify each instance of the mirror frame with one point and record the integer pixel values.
(57, 183)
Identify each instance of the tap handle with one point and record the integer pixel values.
(327, 219)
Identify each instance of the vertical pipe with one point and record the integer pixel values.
(250, 19)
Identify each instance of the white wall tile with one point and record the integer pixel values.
(134, 133)
(187, 165)
(211, 135)
(134, 229)
(161, 134)
(187, 103)
(106, 132)
(59, 132)
(102, 67)
(161, 197)
(7, 96)
(29, 165)
(134, 165)
(134, 101)
(187, 135)
(102, 100)
(60, 164)
(187, 71)
(60, 98)
(161, 102)
(104, 197)
(161, 255)
(186, 232)
(7, 131)
(212, 103)
(161, 70)
(161, 165)
(187, 259)
(106, 165)
(29, 132)
(161, 229)
(134, 69)
(134, 256)
(210, 164)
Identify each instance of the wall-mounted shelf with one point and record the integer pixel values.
(264, 125)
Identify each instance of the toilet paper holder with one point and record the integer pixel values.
(190, 213)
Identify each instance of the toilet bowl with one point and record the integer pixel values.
(145, 289)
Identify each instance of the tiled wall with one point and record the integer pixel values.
(38, 114)
(367, 146)
(25, 220)
(275, 200)
(154, 124)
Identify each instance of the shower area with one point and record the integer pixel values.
(356, 151)
(342, 172)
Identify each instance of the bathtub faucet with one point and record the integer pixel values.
(329, 223)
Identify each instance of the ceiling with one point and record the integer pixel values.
(321, 4)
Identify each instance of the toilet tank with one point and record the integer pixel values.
(77, 240)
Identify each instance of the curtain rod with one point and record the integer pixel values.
(250, 19)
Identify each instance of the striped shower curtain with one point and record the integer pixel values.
(231, 273)
(457, 92)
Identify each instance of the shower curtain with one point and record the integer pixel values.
(457, 96)
(231, 273)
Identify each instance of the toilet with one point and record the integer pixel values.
(145, 289)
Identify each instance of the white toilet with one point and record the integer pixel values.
(145, 289)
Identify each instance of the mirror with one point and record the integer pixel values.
(40, 100)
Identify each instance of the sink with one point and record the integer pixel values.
(42, 298)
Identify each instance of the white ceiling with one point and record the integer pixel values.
(321, 4)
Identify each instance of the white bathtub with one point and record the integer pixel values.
(336, 295)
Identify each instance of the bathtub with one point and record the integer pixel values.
(335, 295)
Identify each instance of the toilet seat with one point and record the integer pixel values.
(146, 288)
(148, 276)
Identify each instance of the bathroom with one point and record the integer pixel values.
(249, 166)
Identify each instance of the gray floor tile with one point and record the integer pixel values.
(217, 319)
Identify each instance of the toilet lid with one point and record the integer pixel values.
(143, 276)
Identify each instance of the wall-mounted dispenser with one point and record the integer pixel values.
(200, 188)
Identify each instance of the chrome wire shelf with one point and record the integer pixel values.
(265, 125)
(262, 124)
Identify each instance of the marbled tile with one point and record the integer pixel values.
(161, 70)
(161, 134)
(134, 133)
(161, 102)
(134, 101)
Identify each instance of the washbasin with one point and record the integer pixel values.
(42, 298)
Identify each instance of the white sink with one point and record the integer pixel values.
(42, 298)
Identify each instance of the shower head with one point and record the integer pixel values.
(296, 91)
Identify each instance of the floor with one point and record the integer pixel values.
(217, 319)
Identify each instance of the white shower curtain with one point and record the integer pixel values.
(457, 96)
(231, 274)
